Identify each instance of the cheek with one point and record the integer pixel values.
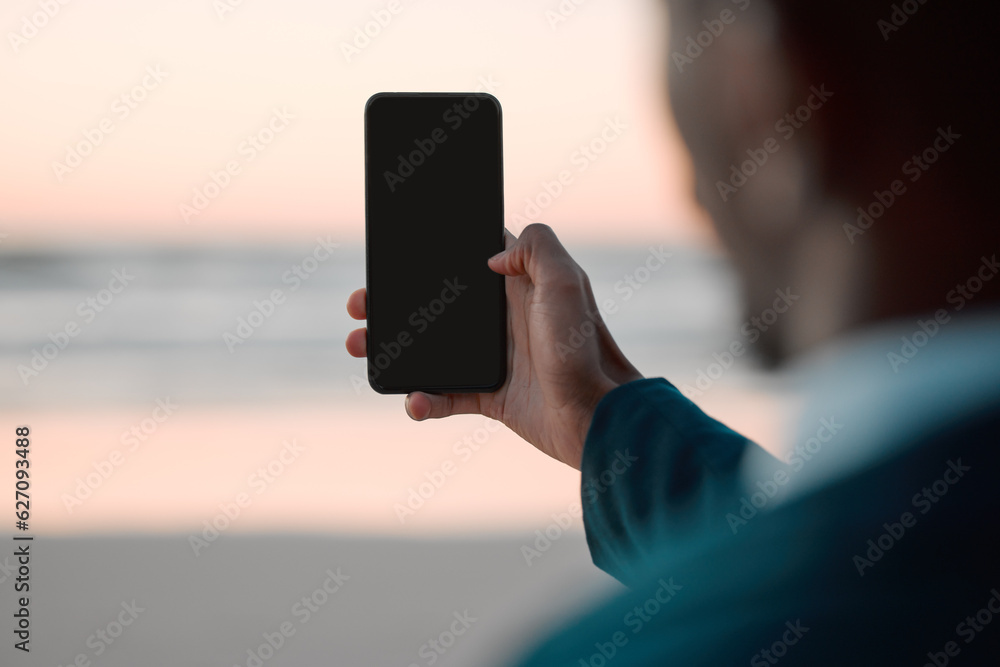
(694, 101)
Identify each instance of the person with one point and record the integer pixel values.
(845, 152)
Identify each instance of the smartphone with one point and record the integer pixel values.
(437, 314)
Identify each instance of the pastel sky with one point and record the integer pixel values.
(171, 93)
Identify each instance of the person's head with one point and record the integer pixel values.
(797, 114)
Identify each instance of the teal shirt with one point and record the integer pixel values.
(862, 571)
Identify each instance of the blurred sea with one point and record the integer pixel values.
(164, 333)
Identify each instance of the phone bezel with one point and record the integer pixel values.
(502, 296)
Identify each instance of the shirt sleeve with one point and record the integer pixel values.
(656, 471)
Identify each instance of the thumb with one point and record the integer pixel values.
(420, 405)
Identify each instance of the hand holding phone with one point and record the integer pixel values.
(550, 394)
(553, 380)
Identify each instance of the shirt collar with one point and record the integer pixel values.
(872, 394)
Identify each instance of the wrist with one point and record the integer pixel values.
(588, 406)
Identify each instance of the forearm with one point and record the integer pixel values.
(656, 470)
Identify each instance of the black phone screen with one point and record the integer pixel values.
(434, 215)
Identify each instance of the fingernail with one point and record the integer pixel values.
(497, 256)
(406, 406)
